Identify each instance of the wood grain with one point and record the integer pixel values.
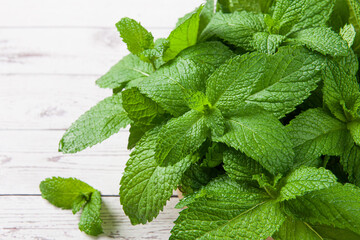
(31, 217)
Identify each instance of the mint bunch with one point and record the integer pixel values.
(251, 109)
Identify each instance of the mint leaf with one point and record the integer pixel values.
(71, 193)
(354, 19)
(196, 100)
(315, 133)
(337, 206)
(206, 14)
(154, 55)
(64, 192)
(130, 68)
(348, 33)
(167, 84)
(145, 186)
(228, 210)
(240, 167)
(341, 92)
(304, 180)
(267, 43)
(136, 37)
(96, 125)
(90, 221)
(276, 83)
(260, 136)
(323, 40)
(287, 13)
(350, 161)
(183, 36)
(179, 137)
(237, 28)
(354, 128)
(298, 230)
(228, 6)
(314, 14)
(140, 109)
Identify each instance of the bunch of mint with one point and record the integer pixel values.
(251, 109)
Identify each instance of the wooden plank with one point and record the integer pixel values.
(46, 102)
(80, 13)
(62, 51)
(34, 218)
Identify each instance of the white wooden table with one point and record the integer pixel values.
(51, 53)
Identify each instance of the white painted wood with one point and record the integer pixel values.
(46, 102)
(31, 217)
(63, 51)
(92, 13)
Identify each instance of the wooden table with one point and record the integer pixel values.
(51, 53)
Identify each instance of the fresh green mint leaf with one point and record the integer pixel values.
(136, 37)
(341, 92)
(323, 40)
(304, 180)
(315, 133)
(140, 109)
(287, 14)
(179, 137)
(354, 128)
(240, 167)
(237, 28)
(277, 83)
(337, 206)
(96, 125)
(183, 36)
(228, 6)
(350, 162)
(154, 55)
(314, 14)
(196, 100)
(228, 210)
(267, 43)
(354, 19)
(71, 193)
(145, 186)
(206, 14)
(64, 192)
(90, 221)
(128, 69)
(348, 33)
(260, 136)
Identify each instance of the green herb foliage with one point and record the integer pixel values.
(250, 108)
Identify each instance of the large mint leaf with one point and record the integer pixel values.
(64, 192)
(323, 40)
(237, 28)
(341, 91)
(240, 167)
(287, 14)
(314, 14)
(277, 83)
(227, 210)
(315, 133)
(304, 180)
(96, 125)
(337, 206)
(350, 161)
(260, 136)
(183, 36)
(90, 221)
(127, 69)
(136, 37)
(145, 186)
(181, 136)
(298, 230)
(166, 86)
